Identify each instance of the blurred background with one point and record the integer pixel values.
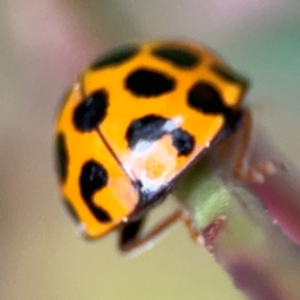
(44, 45)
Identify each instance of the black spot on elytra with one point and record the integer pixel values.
(115, 57)
(148, 128)
(229, 75)
(62, 158)
(204, 97)
(149, 83)
(183, 141)
(71, 211)
(179, 57)
(93, 178)
(90, 113)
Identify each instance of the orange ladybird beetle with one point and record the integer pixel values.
(134, 120)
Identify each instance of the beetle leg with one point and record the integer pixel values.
(242, 169)
(131, 242)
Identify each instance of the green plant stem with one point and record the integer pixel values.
(243, 238)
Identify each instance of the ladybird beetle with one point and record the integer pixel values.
(135, 119)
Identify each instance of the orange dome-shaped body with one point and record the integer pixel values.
(134, 120)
